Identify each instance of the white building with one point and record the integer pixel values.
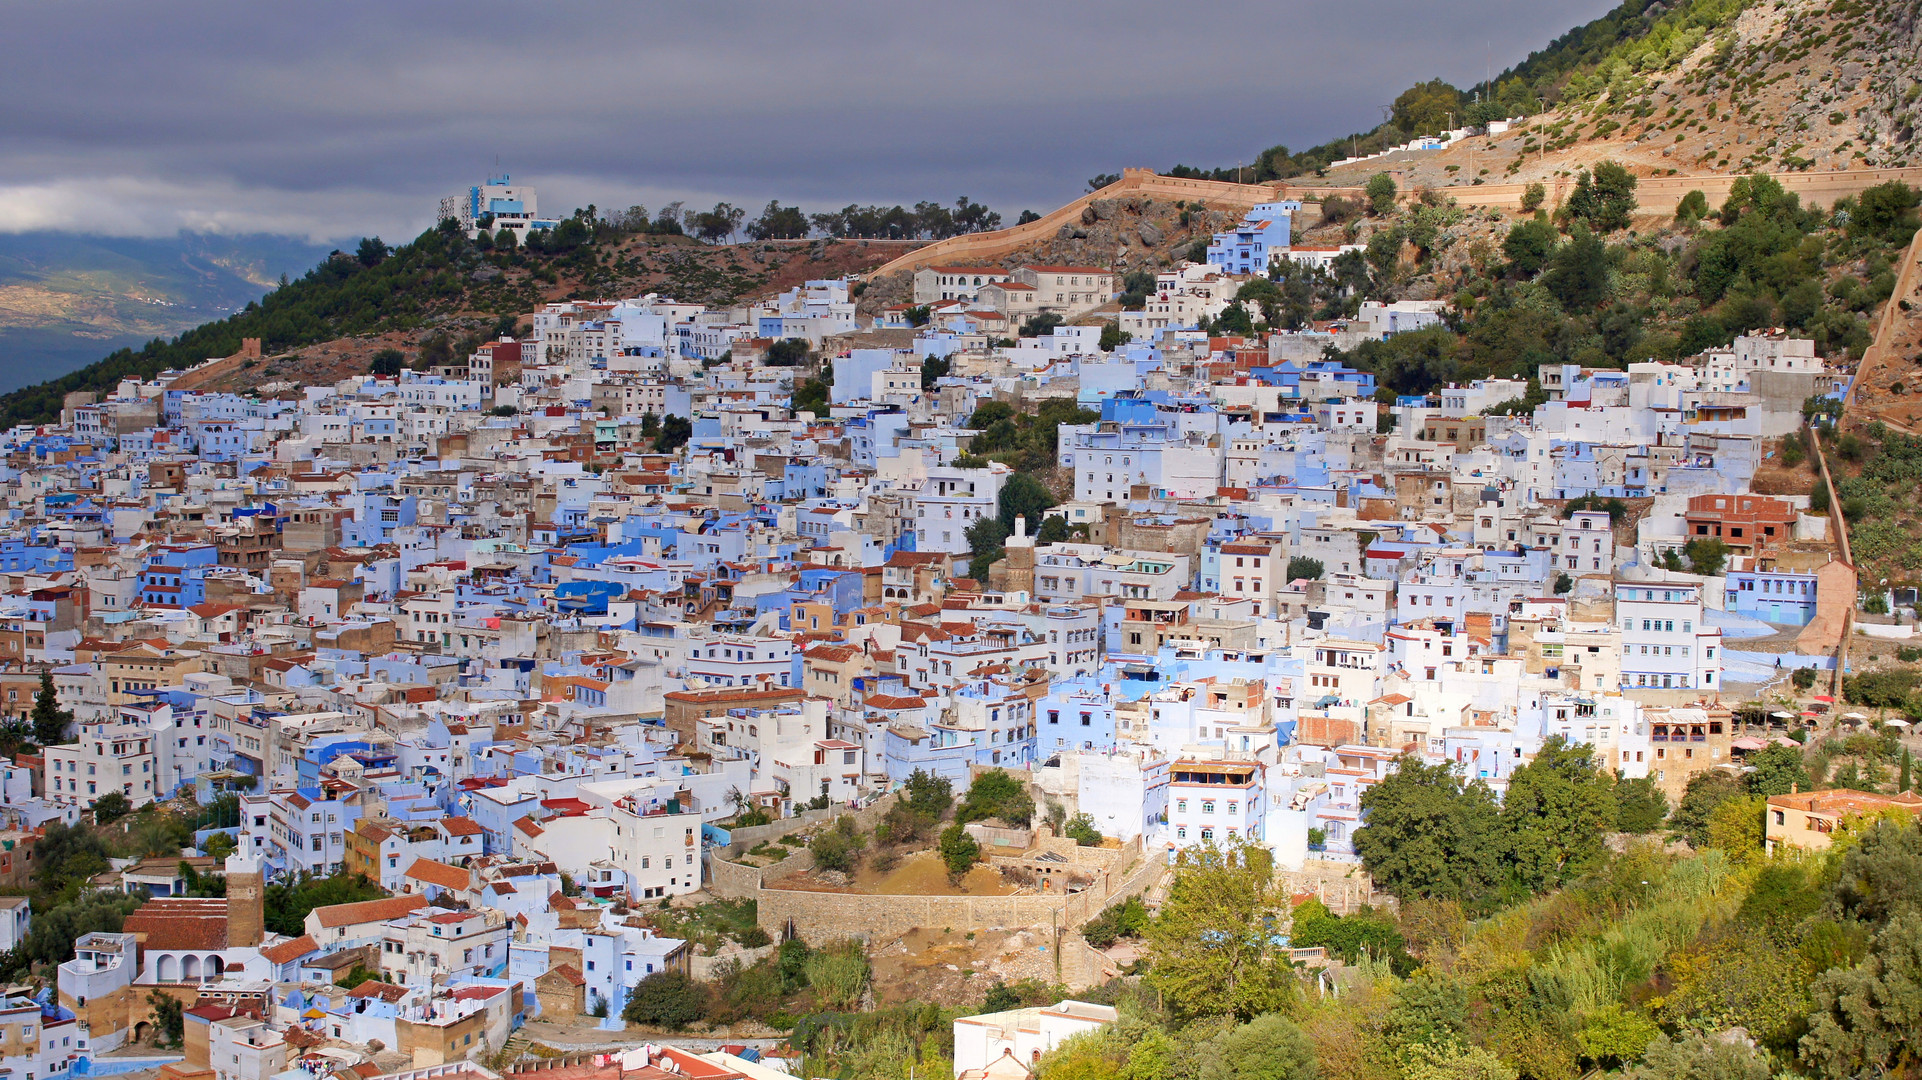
(1023, 1034)
(107, 757)
(1665, 644)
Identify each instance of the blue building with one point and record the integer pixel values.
(175, 575)
(1261, 237)
(1786, 597)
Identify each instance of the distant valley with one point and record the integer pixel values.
(66, 299)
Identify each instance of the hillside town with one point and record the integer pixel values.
(648, 608)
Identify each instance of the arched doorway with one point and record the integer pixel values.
(142, 1032)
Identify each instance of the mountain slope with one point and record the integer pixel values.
(66, 298)
(443, 285)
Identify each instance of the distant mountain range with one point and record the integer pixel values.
(67, 299)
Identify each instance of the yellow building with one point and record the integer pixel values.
(1808, 819)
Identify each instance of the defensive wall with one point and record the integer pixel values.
(817, 917)
(975, 249)
(1653, 194)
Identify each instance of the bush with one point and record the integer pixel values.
(1533, 196)
(1081, 830)
(996, 794)
(667, 999)
(958, 850)
(1126, 919)
(838, 848)
(1803, 678)
(1381, 194)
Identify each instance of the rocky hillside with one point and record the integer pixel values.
(1132, 232)
(1714, 86)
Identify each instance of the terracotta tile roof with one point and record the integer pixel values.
(180, 922)
(290, 950)
(366, 911)
(439, 873)
(569, 974)
(461, 826)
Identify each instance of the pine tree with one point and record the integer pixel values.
(1903, 784)
(49, 720)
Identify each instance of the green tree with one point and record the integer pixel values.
(1603, 200)
(371, 252)
(170, 1020)
(1113, 336)
(1879, 877)
(49, 719)
(1867, 1019)
(1216, 946)
(675, 433)
(927, 794)
(996, 794)
(288, 900)
(1000, 998)
(1706, 555)
(1081, 829)
(838, 848)
(958, 850)
(666, 999)
(985, 538)
(1381, 194)
(778, 222)
(1529, 246)
(811, 396)
(387, 363)
(1269, 1047)
(56, 928)
(1454, 1061)
(1555, 813)
(933, 370)
(1692, 208)
(1705, 791)
(1427, 834)
(1041, 325)
(1640, 806)
(1777, 770)
(787, 352)
(111, 807)
(1578, 272)
(1026, 497)
(1303, 568)
(1430, 1009)
(1533, 196)
(1736, 827)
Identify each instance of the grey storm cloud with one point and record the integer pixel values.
(334, 120)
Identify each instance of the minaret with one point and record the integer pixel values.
(1017, 573)
(246, 910)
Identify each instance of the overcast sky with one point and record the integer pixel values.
(341, 119)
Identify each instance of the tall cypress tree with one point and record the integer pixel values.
(49, 720)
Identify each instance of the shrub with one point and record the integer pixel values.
(1803, 678)
(1126, 919)
(838, 848)
(958, 850)
(668, 999)
(1301, 567)
(1080, 828)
